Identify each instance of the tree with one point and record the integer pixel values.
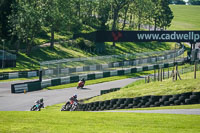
(5, 11)
(167, 15)
(179, 2)
(143, 12)
(25, 21)
(56, 14)
(194, 2)
(103, 13)
(117, 5)
(162, 14)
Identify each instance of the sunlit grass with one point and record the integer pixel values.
(167, 87)
(98, 122)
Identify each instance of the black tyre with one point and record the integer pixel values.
(194, 97)
(177, 102)
(166, 103)
(137, 99)
(148, 104)
(157, 104)
(182, 98)
(196, 93)
(187, 95)
(146, 98)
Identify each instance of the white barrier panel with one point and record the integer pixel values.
(65, 70)
(46, 83)
(93, 68)
(139, 69)
(32, 74)
(48, 72)
(21, 88)
(104, 66)
(65, 80)
(150, 67)
(113, 73)
(116, 64)
(79, 69)
(13, 75)
(127, 71)
(98, 75)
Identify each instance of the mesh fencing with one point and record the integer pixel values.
(77, 66)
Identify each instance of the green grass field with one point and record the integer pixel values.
(167, 87)
(186, 17)
(96, 122)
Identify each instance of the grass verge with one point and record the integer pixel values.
(98, 122)
(167, 87)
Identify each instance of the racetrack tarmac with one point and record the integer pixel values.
(23, 102)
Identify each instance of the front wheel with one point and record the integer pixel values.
(33, 108)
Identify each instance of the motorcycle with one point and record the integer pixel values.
(80, 84)
(37, 107)
(70, 106)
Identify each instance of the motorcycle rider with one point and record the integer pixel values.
(83, 80)
(81, 83)
(73, 98)
(40, 102)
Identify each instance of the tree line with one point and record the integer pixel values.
(182, 2)
(22, 20)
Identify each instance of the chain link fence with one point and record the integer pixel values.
(7, 59)
(77, 66)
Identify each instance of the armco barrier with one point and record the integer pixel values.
(143, 102)
(71, 79)
(99, 67)
(26, 87)
(20, 74)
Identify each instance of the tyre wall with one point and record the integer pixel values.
(143, 102)
(109, 90)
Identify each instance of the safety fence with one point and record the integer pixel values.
(97, 75)
(7, 59)
(68, 67)
(63, 72)
(143, 102)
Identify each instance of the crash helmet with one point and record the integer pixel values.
(41, 100)
(75, 96)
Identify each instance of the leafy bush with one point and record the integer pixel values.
(84, 44)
